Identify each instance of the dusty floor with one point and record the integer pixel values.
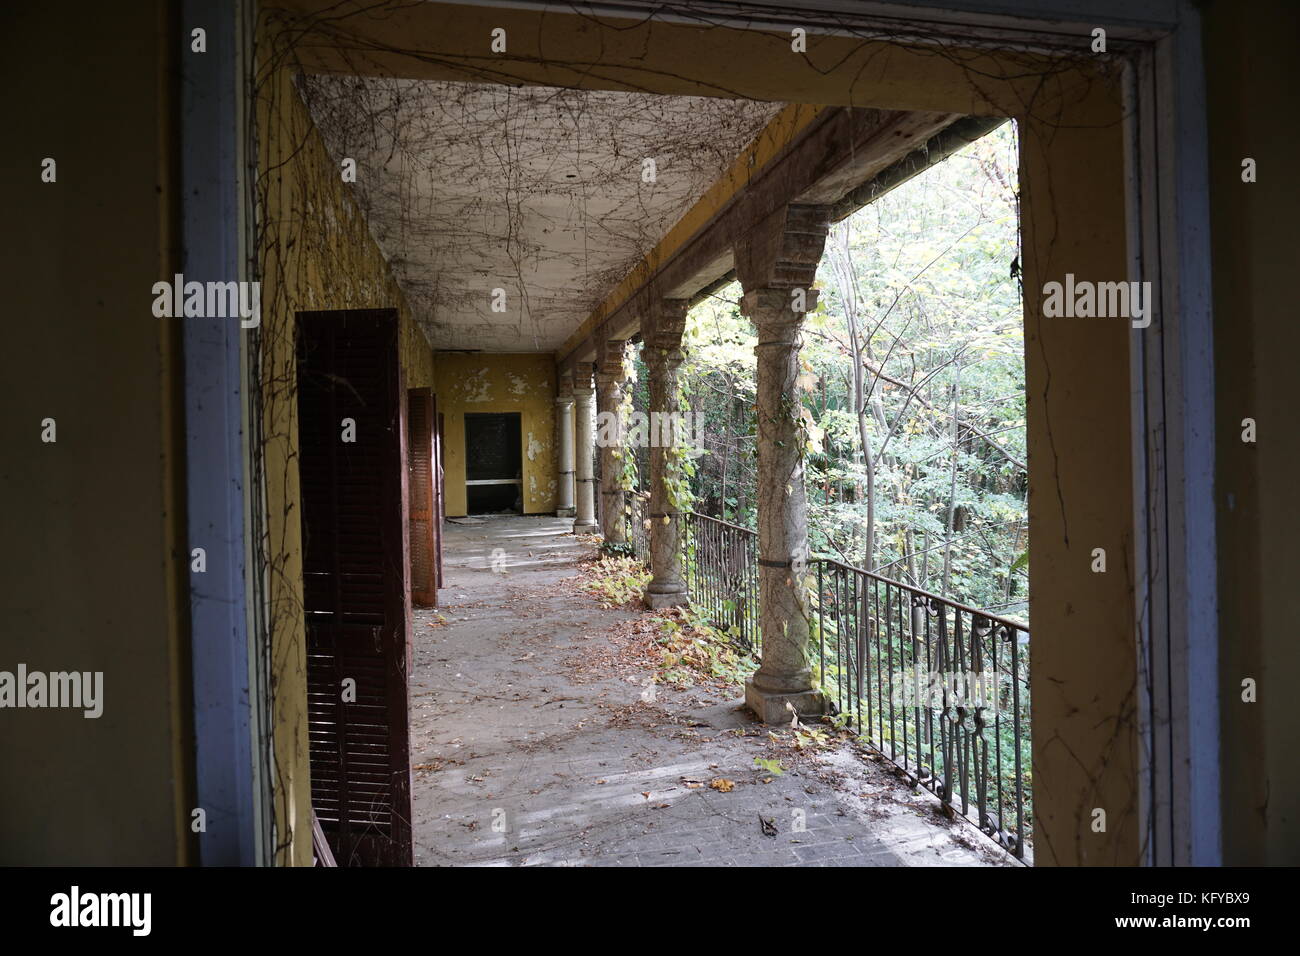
(529, 751)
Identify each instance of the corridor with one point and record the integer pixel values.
(539, 738)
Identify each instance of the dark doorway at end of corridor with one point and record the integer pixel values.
(494, 463)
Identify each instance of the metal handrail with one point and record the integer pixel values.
(972, 753)
(900, 664)
(721, 564)
(921, 592)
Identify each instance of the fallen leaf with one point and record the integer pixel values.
(723, 785)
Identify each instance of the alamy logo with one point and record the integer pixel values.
(655, 430)
(1100, 300)
(941, 690)
(209, 300)
(73, 689)
(75, 908)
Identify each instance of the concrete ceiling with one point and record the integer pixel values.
(538, 191)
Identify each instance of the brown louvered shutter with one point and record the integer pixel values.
(354, 582)
(424, 571)
(439, 491)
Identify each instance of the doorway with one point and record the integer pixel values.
(493, 463)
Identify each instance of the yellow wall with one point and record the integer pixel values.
(316, 253)
(91, 570)
(523, 383)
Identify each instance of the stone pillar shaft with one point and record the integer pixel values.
(782, 503)
(611, 439)
(662, 335)
(584, 407)
(776, 264)
(564, 425)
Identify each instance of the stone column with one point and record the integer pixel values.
(776, 268)
(584, 408)
(661, 334)
(610, 439)
(564, 428)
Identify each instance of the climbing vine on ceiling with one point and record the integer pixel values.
(551, 195)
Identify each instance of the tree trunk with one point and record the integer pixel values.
(952, 489)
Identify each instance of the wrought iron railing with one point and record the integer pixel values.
(939, 688)
(722, 575)
(638, 535)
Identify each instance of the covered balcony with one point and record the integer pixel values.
(552, 726)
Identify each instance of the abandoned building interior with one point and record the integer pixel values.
(464, 218)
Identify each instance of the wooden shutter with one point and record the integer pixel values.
(355, 582)
(424, 564)
(439, 489)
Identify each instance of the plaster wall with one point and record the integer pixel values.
(523, 383)
(316, 254)
(93, 571)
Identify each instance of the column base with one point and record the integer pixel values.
(770, 706)
(658, 600)
(585, 527)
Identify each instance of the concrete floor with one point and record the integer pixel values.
(529, 750)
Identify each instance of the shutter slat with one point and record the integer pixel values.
(420, 421)
(354, 584)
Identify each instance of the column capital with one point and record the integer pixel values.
(611, 369)
(783, 250)
(664, 323)
(582, 385)
(670, 358)
(564, 385)
(772, 308)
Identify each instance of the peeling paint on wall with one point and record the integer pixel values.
(511, 382)
(476, 388)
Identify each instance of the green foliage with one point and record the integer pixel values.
(617, 549)
(919, 287)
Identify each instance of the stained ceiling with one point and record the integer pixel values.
(542, 193)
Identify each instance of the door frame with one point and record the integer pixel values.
(1173, 396)
(519, 482)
